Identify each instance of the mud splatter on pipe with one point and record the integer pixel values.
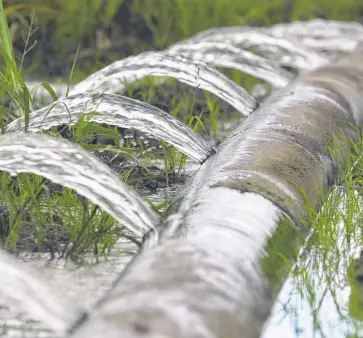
(218, 269)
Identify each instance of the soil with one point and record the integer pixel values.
(127, 34)
(149, 182)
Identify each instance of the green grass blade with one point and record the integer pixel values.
(7, 42)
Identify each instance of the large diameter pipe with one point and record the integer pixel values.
(219, 265)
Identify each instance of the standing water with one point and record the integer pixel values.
(35, 295)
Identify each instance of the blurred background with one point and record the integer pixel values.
(50, 35)
(108, 30)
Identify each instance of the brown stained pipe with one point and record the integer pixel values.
(216, 272)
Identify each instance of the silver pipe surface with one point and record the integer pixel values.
(218, 267)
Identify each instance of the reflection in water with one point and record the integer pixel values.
(318, 299)
(77, 287)
(323, 296)
(20, 290)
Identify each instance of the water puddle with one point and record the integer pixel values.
(322, 298)
(78, 288)
(317, 300)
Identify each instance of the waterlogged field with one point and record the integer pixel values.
(105, 156)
